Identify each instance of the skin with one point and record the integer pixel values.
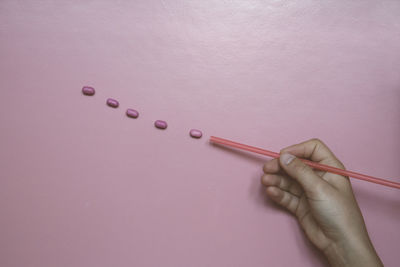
(323, 203)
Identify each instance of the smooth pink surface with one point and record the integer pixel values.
(84, 185)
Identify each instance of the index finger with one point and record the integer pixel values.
(315, 150)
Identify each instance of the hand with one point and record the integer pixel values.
(323, 203)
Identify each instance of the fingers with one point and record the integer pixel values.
(311, 183)
(272, 166)
(315, 150)
(283, 198)
(282, 182)
(274, 176)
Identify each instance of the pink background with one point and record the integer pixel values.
(83, 185)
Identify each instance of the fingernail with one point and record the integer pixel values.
(287, 158)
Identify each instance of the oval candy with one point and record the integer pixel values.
(160, 124)
(87, 90)
(112, 103)
(132, 113)
(195, 133)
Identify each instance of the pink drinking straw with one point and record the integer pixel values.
(312, 164)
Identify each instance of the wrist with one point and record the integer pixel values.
(352, 253)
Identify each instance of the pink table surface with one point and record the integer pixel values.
(83, 185)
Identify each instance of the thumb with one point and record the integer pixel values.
(312, 184)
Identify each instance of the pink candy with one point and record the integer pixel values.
(195, 133)
(87, 90)
(160, 124)
(132, 113)
(112, 103)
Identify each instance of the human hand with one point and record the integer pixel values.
(323, 203)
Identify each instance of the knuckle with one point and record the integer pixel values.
(282, 183)
(334, 162)
(265, 167)
(341, 165)
(317, 142)
(285, 200)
